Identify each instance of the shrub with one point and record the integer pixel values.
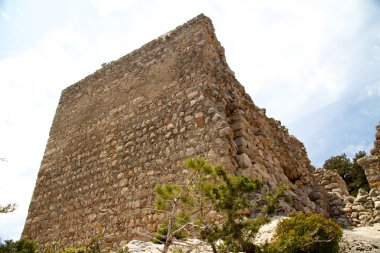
(208, 189)
(21, 246)
(307, 233)
(351, 172)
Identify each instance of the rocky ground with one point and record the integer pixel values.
(362, 239)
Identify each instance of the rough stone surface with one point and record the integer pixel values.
(337, 191)
(130, 125)
(363, 239)
(190, 245)
(364, 210)
(371, 163)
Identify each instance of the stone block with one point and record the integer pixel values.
(358, 208)
(241, 142)
(244, 161)
(238, 126)
(361, 198)
(377, 205)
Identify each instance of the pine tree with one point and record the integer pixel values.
(216, 206)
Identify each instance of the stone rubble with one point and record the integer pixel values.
(371, 163)
(190, 245)
(356, 240)
(337, 192)
(361, 239)
(364, 209)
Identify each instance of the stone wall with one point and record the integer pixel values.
(130, 125)
(337, 192)
(371, 163)
(364, 209)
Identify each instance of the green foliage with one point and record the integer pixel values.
(21, 246)
(94, 246)
(229, 195)
(125, 249)
(75, 250)
(359, 179)
(8, 208)
(55, 247)
(306, 233)
(271, 200)
(341, 164)
(351, 172)
(208, 190)
(162, 232)
(173, 200)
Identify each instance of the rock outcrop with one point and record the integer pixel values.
(130, 125)
(337, 192)
(371, 163)
(364, 209)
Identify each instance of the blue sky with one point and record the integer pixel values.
(314, 65)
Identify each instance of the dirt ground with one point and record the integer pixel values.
(362, 239)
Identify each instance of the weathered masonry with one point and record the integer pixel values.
(130, 125)
(371, 163)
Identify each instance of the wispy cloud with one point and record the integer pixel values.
(5, 16)
(30, 85)
(20, 12)
(351, 150)
(106, 7)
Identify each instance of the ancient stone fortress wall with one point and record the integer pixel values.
(362, 210)
(365, 208)
(371, 163)
(130, 125)
(337, 191)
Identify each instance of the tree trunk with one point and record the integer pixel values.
(214, 250)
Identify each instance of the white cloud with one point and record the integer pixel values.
(351, 150)
(5, 16)
(20, 12)
(295, 50)
(31, 83)
(106, 7)
(368, 90)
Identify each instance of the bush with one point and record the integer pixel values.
(307, 233)
(351, 172)
(230, 198)
(21, 246)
